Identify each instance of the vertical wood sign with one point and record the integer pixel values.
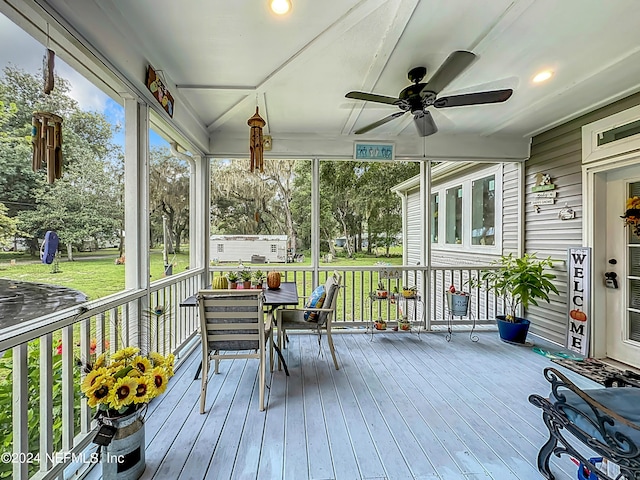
(578, 298)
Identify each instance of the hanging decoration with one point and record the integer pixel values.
(632, 214)
(46, 138)
(159, 90)
(47, 70)
(256, 142)
(48, 63)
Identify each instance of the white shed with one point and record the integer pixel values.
(249, 248)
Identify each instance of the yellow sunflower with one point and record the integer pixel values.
(169, 364)
(89, 383)
(124, 354)
(122, 393)
(142, 364)
(99, 394)
(160, 379)
(142, 389)
(100, 361)
(157, 359)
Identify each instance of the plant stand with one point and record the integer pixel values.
(402, 325)
(458, 306)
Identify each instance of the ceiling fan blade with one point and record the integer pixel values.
(372, 97)
(425, 124)
(379, 122)
(477, 98)
(453, 66)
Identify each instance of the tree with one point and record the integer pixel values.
(86, 201)
(8, 225)
(169, 179)
(82, 205)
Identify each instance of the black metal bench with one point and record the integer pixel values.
(606, 420)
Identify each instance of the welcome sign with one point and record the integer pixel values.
(579, 283)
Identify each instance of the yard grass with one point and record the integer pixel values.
(92, 273)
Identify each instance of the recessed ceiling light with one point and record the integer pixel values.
(280, 7)
(543, 76)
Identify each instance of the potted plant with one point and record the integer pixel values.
(245, 275)
(381, 291)
(519, 282)
(258, 278)
(233, 280)
(409, 292)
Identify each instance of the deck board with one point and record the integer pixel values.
(400, 407)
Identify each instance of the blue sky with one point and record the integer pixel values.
(19, 49)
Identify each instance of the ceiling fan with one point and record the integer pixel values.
(418, 97)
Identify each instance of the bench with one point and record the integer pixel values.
(606, 420)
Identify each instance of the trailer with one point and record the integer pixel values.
(248, 248)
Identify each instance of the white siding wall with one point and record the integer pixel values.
(558, 152)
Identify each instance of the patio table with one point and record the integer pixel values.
(287, 294)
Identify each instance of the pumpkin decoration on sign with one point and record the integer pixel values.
(578, 315)
(273, 280)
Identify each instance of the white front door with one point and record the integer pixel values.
(623, 260)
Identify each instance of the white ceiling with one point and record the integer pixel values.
(222, 58)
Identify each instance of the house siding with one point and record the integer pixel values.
(558, 152)
(441, 257)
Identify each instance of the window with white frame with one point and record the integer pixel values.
(465, 212)
(220, 248)
(274, 248)
(483, 211)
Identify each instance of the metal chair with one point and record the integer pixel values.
(294, 318)
(232, 322)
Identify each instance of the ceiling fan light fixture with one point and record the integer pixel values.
(280, 7)
(542, 76)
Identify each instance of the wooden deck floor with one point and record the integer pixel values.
(401, 407)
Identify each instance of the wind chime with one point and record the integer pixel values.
(256, 147)
(46, 127)
(46, 138)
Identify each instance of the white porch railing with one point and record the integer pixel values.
(52, 424)
(355, 307)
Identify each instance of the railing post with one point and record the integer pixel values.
(20, 410)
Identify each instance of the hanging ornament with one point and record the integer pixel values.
(255, 142)
(48, 63)
(46, 138)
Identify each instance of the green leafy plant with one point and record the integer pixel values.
(258, 276)
(519, 281)
(245, 275)
(232, 276)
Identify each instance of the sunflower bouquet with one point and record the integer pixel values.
(125, 381)
(632, 214)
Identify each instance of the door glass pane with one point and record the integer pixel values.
(483, 211)
(454, 214)
(633, 270)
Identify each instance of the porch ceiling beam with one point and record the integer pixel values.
(386, 46)
(311, 49)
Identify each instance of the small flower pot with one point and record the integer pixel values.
(233, 285)
(404, 325)
(381, 325)
(381, 293)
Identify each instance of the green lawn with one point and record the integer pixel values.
(93, 273)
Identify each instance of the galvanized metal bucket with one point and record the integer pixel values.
(458, 304)
(123, 458)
